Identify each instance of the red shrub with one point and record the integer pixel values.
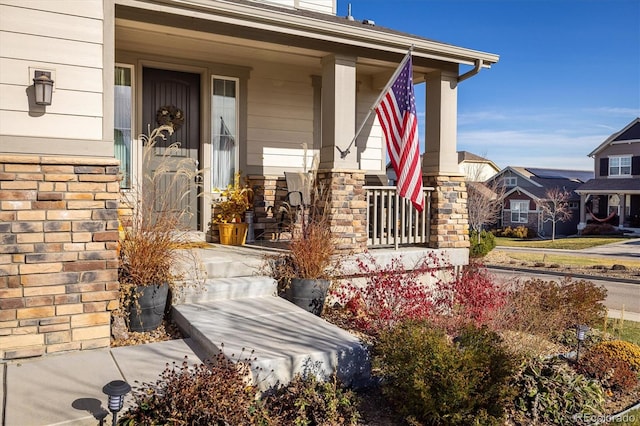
(477, 295)
(612, 372)
(394, 294)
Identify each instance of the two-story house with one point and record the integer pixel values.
(613, 196)
(526, 190)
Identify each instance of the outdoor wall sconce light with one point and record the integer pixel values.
(581, 334)
(116, 390)
(43, 86)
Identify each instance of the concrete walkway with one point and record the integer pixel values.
(66, 389)
(236, 308)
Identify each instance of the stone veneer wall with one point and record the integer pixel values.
(58, 253)
(348, 208)
(449, 215)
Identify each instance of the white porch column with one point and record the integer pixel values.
(623, 208)
(583, 213)
(338, 112)
(440, 156)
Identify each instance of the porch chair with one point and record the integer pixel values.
(297, 200)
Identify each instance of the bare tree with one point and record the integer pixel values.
(555, 208)
(484, 203)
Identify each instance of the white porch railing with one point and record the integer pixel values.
(393, 221)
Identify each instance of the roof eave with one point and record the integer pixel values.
(273, 20)
(611, 138)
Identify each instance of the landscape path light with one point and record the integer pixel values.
(581, 334)
(116, 390)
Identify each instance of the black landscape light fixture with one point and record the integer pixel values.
(116, 390)
(581, 334)
(43, 86)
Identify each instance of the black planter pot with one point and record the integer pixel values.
(307, 293)
(149, 312)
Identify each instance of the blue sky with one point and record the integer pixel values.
(568, 75)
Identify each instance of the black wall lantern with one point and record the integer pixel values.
(43, 87)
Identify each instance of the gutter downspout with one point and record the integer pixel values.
(476, 69)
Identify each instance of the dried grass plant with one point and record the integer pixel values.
(155, 237)
(312, 249)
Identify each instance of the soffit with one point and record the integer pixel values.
(287, 31)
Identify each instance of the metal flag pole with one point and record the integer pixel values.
(344, 153)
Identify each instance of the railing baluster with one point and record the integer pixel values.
(392, 220)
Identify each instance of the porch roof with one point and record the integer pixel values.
(609, 186)
(302, 28)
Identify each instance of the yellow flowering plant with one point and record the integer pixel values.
(234, 201)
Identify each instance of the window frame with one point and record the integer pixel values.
(523, 214)
(617, 169)
(510, 181)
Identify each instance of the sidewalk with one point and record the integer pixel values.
(66, 389)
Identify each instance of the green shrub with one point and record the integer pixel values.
(309, 401)
(484, 246)
(437, 381)
(551, 392)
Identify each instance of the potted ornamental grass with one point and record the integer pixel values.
(152, 255)
(229, 209)
(305, 271)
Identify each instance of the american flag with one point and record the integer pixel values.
(397, 115)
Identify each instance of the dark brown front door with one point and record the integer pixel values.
(177, 91)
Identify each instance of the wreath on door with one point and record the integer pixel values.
(170, 115)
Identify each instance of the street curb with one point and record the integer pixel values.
(564, 274)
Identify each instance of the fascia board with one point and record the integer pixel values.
(604, 144)
(606, 191)
(512, 170)
(269, 20)
(524, 191)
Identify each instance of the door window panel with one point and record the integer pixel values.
(224, 130)
(122, 121)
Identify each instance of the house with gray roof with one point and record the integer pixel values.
(525, 191)
(613, 195)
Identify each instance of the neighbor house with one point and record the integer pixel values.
(474, 168)
(251, 83)
(613, 195)
(526, 190)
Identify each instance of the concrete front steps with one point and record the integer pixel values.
(240, 314)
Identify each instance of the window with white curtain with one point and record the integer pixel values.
(224, 131)
(122, 121)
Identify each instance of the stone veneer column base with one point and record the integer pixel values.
(347, 204)
(449, 215)
(58, 253)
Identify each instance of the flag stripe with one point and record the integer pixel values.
(397, 116)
